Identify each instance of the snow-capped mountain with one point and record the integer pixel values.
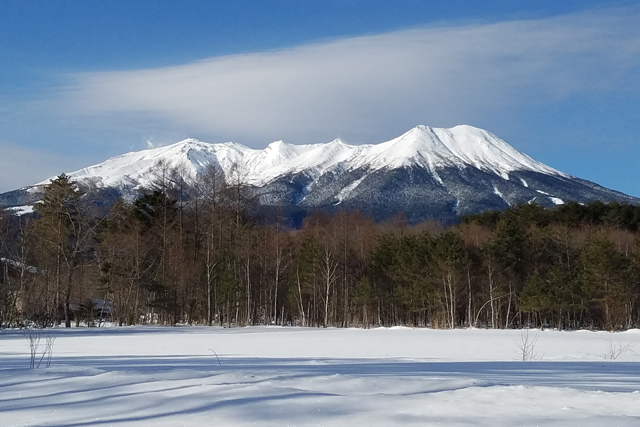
(425, 173)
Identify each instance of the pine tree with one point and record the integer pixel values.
(67, 231)
(605, 277)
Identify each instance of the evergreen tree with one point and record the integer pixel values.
(605, 278)
(67, 231)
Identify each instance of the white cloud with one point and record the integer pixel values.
(370, 87)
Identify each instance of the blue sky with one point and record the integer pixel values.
(83, 81)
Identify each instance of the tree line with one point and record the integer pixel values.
(189, 251)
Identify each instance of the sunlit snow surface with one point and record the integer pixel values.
(21, 210)
(148, 376)
(430, 148)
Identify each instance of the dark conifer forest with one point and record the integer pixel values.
(192, 252)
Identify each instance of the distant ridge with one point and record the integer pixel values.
(427, 173)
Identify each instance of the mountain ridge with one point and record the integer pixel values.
(428, 173)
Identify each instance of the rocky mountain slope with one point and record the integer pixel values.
(427, 173)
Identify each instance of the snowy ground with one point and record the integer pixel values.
(152, 376)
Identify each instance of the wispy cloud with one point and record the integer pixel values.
(375, 86)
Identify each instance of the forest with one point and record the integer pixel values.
(190, 251)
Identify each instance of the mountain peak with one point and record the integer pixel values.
(338, 141)
(461, 169)
(276, 145)
(468, 129)
(420, 129)
(190, 141)
(422, 146)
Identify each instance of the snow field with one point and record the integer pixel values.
(431, 148)
(156, 376)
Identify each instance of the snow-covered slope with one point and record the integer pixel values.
(422, 146)
(426, 173)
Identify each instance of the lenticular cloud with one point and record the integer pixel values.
(366, 86)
